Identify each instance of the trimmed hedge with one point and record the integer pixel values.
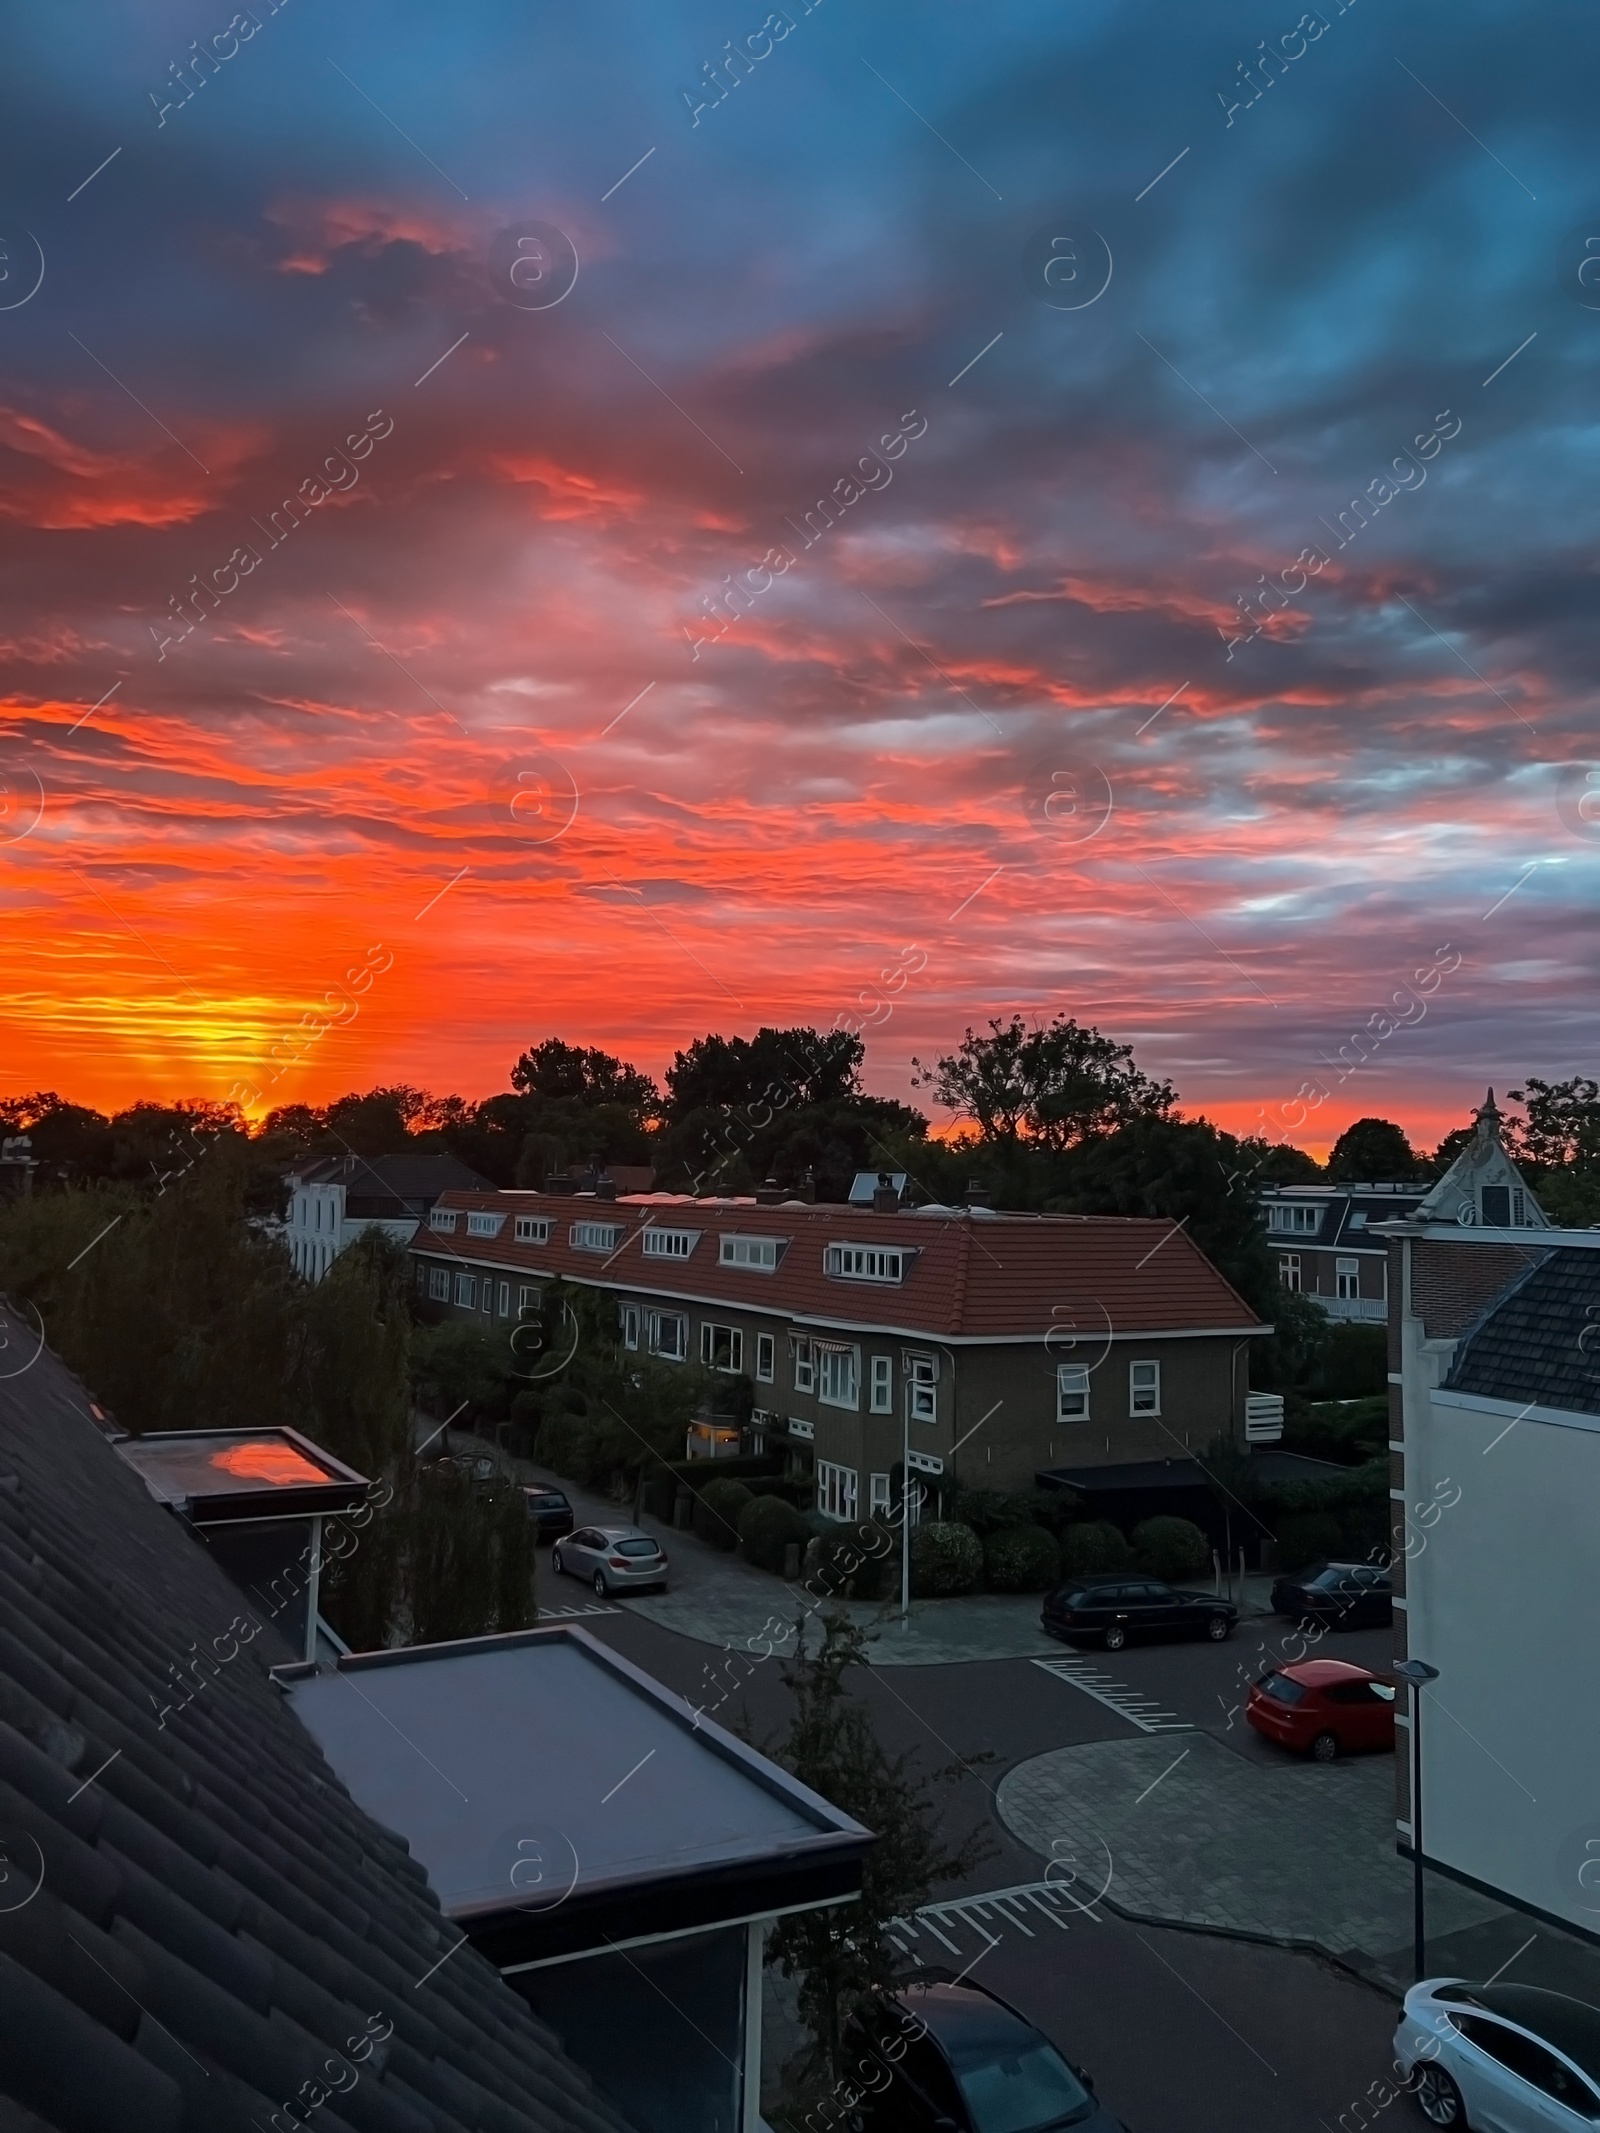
(1094, 1545)
(1171, 1548)
(851, 1562)
(945, 1558)
(768, 1527)
(1020, 1559)
(665, 1476)
(717, 1510)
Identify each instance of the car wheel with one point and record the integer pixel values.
(600, 1585)
(1116, 1637)
(1438, 2098)
(1218, 1627)
(1325, 1748)
(556, 1564)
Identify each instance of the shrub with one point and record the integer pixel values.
(1171, 1548)
(851, 1562)
(566, 1445)
(1304, 1535)
(945, 1558)
(1020, 1559)
(1094, 1545)
(716, 1512)
(767, 1527)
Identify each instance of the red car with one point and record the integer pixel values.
(1323, 1708)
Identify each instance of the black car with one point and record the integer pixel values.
(1117, 1605)
(946, 2057)
(1337, 1596)
(549, 1510)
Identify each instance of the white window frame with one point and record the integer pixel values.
(1144, 1386)
(805, 1367)
(466, 1292)
(655, 1322)
(1290, 1271)
(442, 1218)
(630, 1325)
(1072, 1392)
(866, 1262)
(711, 1331)
(483, 1224)
(877, 1495)
(922, 1380)
(754, 1255)
(532, 1229)
(841, 1366)
(596, 1236)
(527, 1299)
(766, 1358)
(668, 1243)
(487, 1287)
(1347, 1278)
(439, 1284)
(836, 1491)
(505, 1299)
(422, 1277)
(882, 1402)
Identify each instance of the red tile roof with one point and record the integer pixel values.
(975, 1276)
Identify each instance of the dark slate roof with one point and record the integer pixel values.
(394, 1177)
(215, 1918)
(1525, 1346)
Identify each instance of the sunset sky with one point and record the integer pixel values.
(470, 714)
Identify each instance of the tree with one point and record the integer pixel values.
(378, 1122)
(1449, 1148)
(1371, 1149)
(1191, 1172)
(1057, 1086)
(575, 1073)
(1561, 1123)
(840, 1955)
(787, 1069)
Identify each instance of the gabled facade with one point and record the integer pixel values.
(1322, 1237)
(974, 1347)
(1483, 1188)
(335, 1198)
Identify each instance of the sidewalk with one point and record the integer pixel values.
(1301, 1854)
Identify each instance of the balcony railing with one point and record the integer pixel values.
(1371, 1310)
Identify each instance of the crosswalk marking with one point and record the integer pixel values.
(1141, 1711)
(568, 1614)
(988, 1915)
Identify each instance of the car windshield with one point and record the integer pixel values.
(636, 1547)
(1023, 2090)
(549, 1499)
(1326, 1581)
(1280, 1688)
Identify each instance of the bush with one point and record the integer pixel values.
(1020, 1559)
(1094, 1545)
(1171, 1548)
(851, 1562)
(1303, 1536)
(945, 1558)
(716, 1512)
(768, 1526)
(566, 1444)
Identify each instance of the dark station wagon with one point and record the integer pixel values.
(1112, 1607)
(549, 1510)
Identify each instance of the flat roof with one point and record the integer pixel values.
(545, 1785)
(220, 1474)
(1182, 1472)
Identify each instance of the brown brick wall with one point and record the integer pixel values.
(1451, 1283)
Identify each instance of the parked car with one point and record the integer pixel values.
(1323, 1708)
(612, 1558)
(549, 1510)
(1514, 2057)
(947, 2057)
(1114, 1606)
(1337, 1596)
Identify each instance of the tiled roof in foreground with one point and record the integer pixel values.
(1539, 1340)
(196, 1920)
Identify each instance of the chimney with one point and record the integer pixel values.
(808, 1185)
(977, 1193)
(605, 1186)
(770, 1194)
(559, 1182)
(885, 1195)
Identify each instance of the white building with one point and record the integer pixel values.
(333, 1199)
(1495, 1444)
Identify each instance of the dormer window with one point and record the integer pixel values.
(596, 1236)
(442, 1218)
(866, 1262)
(1496, 1206)
(669, 1243)
(760, 1254)
(533, 1229)
(1297, 1221)
(484, 1225)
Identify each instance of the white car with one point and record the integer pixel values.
(1500, 2058)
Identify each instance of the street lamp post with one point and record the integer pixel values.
(1416, 1673)
(905, 1507)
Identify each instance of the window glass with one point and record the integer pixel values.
(1072, 1393)
(1383, 1690)
(926, 2068)
(1281, 1689)
(636, 1547)
(1020, 2090)
(766, 1358)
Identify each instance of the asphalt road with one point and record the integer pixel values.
(1183, 2032)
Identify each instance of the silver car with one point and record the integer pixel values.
(1514, 2058)
(612, 1558)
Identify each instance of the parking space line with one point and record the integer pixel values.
(1139, 1710)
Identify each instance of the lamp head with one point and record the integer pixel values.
(1416, 1670)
